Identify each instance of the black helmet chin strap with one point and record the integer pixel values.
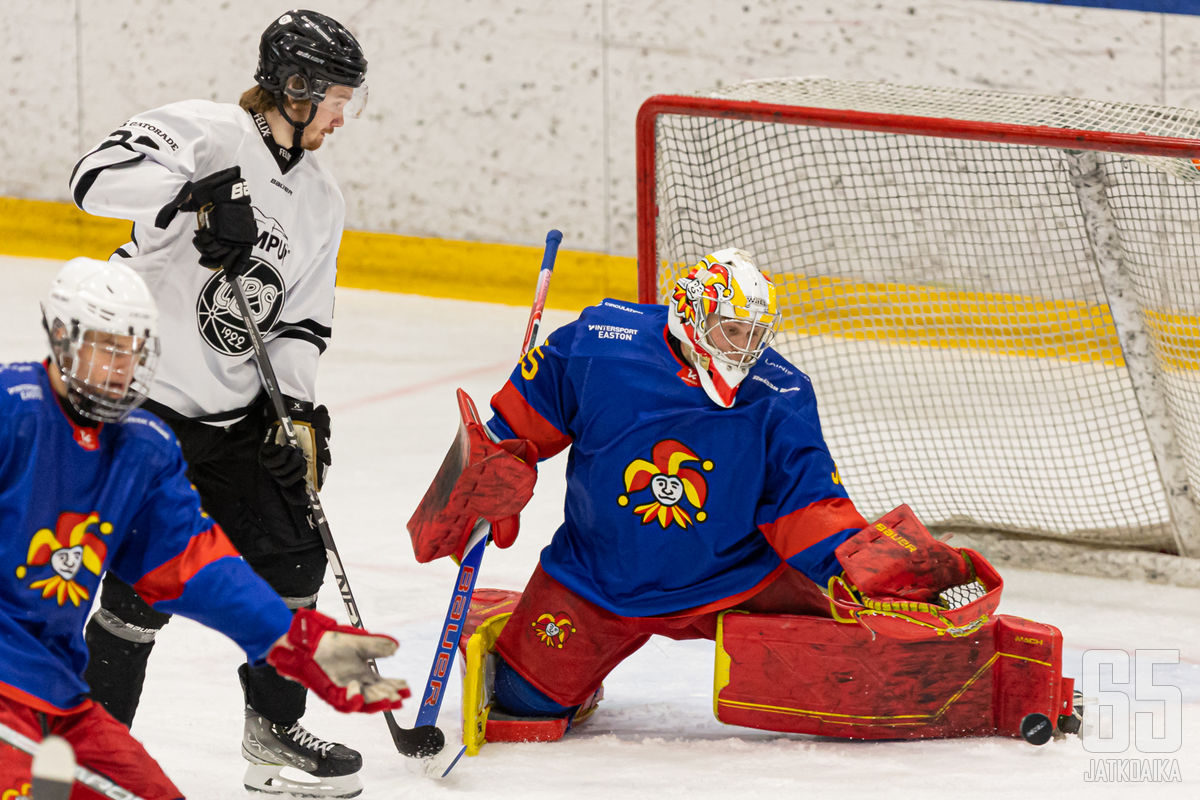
(297, 127)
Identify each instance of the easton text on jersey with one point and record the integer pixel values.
(613, 332)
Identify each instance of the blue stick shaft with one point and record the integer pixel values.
(468, 570)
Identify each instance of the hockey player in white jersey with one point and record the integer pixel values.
(275, 218)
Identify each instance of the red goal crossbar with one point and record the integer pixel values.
(1030, 135)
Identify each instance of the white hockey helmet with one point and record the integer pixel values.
(725, 313)
(103, 327)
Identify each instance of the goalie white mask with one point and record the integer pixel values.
(103, 327)
(725, 313)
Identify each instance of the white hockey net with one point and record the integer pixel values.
(1000, 316)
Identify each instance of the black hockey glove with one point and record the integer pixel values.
(227, 230)
(294, 468)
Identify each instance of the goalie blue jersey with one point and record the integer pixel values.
(672, 503)
(75, 501)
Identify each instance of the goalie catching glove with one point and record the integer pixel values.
(336, 662)
(896, 557)
(900, 581)
(479, 479)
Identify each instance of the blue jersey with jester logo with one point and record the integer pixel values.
(673, 503)
(75, 501)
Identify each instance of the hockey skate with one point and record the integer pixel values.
(288, 760)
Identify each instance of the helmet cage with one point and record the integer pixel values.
(722, 333)
(107, 374)
(102, 323)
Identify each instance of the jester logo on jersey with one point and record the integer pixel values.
(70, 547)
(22, 792)
(670, 483)
(553, 629)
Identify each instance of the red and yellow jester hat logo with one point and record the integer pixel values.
(705, 286)
(669, 482)
(553, 629)
(71, 546)
(22, 792)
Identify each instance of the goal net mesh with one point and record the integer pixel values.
(986, 343)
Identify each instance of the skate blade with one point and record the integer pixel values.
(274, 779)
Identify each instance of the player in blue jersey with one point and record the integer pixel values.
(699, 481)
(90, 484)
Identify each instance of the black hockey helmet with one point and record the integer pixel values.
(312, 46)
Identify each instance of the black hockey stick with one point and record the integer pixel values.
(408, 741)
(468, 570)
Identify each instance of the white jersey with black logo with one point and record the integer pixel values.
(206, 369)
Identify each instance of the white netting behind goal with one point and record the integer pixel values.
(1004, 336)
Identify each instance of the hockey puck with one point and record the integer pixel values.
(1036, 728)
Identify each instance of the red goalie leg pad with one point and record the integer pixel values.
(485, 604)
(489, 612)
(817, 676)
(478, 479)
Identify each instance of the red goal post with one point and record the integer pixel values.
(997, 296)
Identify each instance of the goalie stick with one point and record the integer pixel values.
(437, 764)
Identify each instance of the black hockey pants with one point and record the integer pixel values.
(275, 538)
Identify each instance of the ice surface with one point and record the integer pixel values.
(389, 382)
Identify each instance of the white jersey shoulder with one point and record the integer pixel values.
(138, 173)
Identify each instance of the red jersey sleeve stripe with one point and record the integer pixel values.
(801, 529)
(527, 423)
(166, 582)
(38, 704)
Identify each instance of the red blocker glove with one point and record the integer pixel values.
(479, 479)
(896, 557)
(335, 661)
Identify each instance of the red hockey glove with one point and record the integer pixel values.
(901, 582)
(896, 557)
(335, 662)
(479, 479)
